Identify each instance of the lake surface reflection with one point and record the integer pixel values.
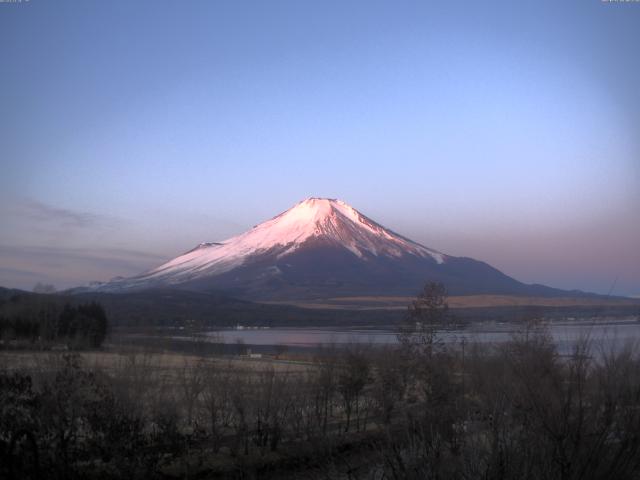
(609, 334)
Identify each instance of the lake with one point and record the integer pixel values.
(612, 333)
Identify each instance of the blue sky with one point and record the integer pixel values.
(504, 131)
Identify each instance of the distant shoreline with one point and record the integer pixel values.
(460, 301)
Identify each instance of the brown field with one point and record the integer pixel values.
(168, 362)
(465, 301)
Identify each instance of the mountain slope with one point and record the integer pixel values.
(322, 247)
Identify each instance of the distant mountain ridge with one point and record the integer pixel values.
(322, 248)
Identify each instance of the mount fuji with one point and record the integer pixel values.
(321, 248)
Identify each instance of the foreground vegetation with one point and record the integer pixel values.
(417, 410)
(518, 410)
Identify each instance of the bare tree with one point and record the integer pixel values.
(425, 315)
(216, 401)
(191, 380)
(353, 376)
(389, 384)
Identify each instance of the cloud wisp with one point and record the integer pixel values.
(41, 212)
(22, 266)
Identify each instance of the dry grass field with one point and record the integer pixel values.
(170, 363)
(464, 301)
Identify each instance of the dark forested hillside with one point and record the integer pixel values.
(50, 319)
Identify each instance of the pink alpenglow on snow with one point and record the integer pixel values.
(321, 248)
(328, 219)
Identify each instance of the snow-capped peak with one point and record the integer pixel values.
(330, 221)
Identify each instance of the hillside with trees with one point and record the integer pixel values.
(44, 321)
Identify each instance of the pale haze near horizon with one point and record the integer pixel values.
(503, 131)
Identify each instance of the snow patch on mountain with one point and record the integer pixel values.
(328, 220)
